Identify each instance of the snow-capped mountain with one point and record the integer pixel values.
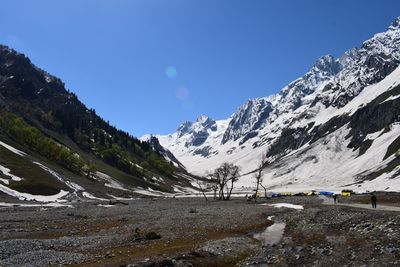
(343, 112)
(196, 138)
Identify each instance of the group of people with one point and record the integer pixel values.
(373, 200)
(250, 197)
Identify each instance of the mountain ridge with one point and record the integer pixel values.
(297, 114)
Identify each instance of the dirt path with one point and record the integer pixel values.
(329, 201)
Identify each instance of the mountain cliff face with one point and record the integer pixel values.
(51, 143)
(345, 106)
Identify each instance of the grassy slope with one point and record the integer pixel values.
(35, 179)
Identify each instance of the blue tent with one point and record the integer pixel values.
(326, 193)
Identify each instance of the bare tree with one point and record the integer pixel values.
(214, 187)
(258, 175)
(265, 190)
(212, 184)
(264, 162)
(233, 177)
(225, 176)
(202, 189)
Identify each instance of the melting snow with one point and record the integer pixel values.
(391, 98)
(121, 198)
(90, 196)
(71, 185)
(151, 192)
(284, 205)
(27, 196)
(13, 149)
(105, 205)
(110, 182)
(7, 172)
(52, 205)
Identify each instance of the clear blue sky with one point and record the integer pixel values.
(148, 65)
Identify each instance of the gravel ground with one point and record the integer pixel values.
(98, 235)
(336, 236)
(193, 232)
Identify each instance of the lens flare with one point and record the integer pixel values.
(182, 93)
(171, 72)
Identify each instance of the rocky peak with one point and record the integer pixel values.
(249, 118)
(4, 48)
(373, 61)
(327, 64)
(184, 128)
(254, 114)
(205, 121)
(197, 132)
(200, 130)
(202, 118)
(395, 24)
(348, 57)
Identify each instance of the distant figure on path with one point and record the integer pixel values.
(373, 201)
(334, 198)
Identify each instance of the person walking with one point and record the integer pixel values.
(373, 201)
(334, 198)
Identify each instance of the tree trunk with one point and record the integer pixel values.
(230, 191)
(204, 194)
(265, 190)
(221, 193)
(255, 195)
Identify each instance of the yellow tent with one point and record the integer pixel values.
(346, 194)
(311, 193)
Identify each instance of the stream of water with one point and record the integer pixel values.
(272, 234)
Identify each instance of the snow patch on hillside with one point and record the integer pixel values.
(90, 196)
(110, 182)
(7, 172)
(13, 149)
(47, 205)
(26, 196)
(70, 184)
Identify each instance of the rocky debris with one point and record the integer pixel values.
(388, 228)
(162, 263)
(43, 258)
(339, 236)
(96, 232)
(229, 246)
(363, 229)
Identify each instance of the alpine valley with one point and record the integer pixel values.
(336, 127)
(77, 191)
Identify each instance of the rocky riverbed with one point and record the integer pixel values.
(193, 232)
